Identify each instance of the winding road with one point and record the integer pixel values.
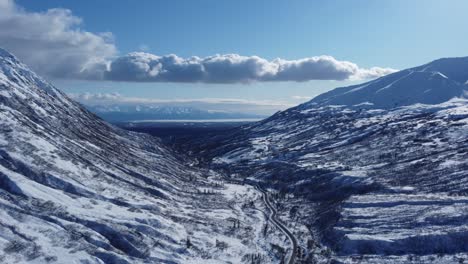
(279, 225)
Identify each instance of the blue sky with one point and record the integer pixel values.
(387, 34)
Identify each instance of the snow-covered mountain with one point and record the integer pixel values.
(432, 83)
(378, 172)
(74, 189)
(355, 178)
(128, 113)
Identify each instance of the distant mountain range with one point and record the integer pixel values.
(129, 113)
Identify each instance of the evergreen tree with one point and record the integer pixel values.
(188, 243)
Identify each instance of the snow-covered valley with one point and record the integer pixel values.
(336, 179)
(373, 182)
(74, 189)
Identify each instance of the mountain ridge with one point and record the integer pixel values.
(378, 183)
(431, 83)
(74, 188)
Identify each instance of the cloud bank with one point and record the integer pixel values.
(54, 44)
(233, 68)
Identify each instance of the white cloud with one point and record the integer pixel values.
(372, 73)
(54, 44)
(234, 68)
(104, 98)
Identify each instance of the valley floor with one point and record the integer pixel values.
(238, 229)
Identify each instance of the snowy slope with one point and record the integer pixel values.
(74, 189)
(385, 185)
(433, 83)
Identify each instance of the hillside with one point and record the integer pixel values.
(375, 183)
(76, 189)
(432, 83)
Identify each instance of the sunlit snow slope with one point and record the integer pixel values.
(74, 189)
(432, 83)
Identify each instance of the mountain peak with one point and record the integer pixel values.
(14, 75)
(432, 83)
(5, 54)
(454, 68)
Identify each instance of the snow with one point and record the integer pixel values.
(392, 83)
(375, 181)
(434, 83)
(74, 189)
(359, 88)
(440, 74)
(389, 223)
(364, 104)
(401, 173)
